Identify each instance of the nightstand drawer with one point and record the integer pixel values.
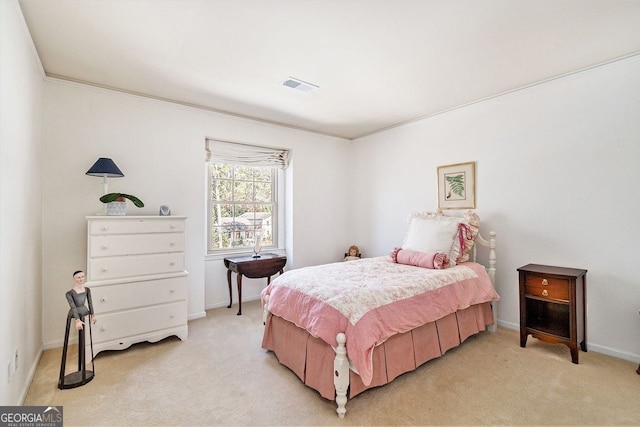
(547, 292)
(546, 287)
(546, 281)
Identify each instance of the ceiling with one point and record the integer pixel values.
(378, 63)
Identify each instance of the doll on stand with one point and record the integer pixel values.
(79, 299)
(80, 308)
(352, 254)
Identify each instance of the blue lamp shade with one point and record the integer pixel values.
(105, 167)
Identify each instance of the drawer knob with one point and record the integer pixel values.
(104, 228)
(102, 328)
(105, 247)
(172, 263)
(103, 299)
(545, 293)
(172, 290)
(171, 244)
(545, 282)
(172, 226)
(104, 269)
(172, 315)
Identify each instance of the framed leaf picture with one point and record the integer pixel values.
(456, 186)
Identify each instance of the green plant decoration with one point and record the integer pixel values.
(108, 198)
(456, 184)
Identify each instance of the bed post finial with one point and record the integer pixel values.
(341, 374)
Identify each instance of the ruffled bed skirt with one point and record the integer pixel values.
(311, 359)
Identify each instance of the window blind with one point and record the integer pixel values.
(246, 155)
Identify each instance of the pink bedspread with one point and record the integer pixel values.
(372, 299)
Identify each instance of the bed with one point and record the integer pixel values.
(345, 327)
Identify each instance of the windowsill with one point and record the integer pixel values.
(222, 255)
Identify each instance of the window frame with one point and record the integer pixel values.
(277, 194)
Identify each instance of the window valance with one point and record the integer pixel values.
(246, 155)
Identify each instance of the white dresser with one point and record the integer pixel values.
(135, 269)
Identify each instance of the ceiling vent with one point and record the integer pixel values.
(299, 85)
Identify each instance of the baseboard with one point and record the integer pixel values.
(216, 305)
(618, 354)
(635, 358)
(235, 303)
(197, 315)
(30, 376)
(58, 343)
(509, 325)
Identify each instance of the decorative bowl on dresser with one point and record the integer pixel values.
(553, 306)
(135, 269)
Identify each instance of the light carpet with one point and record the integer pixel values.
(221, 376)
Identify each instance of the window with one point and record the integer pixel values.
(242, 206)
(243, 194)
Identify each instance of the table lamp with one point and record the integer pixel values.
(105, 168)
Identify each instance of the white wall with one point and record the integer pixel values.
(159, 146)
(557, 179)
(20, 205)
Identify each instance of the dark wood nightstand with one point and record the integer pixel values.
(553, 306)
(266, 265)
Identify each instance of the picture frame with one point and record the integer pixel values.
(457, 186)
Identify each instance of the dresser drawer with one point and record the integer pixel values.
(134, 265)
(129, 244)
(124, 296)
(123, 324)
(547, 287)
(136, 226)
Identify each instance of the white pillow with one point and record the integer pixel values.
(432, 233)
